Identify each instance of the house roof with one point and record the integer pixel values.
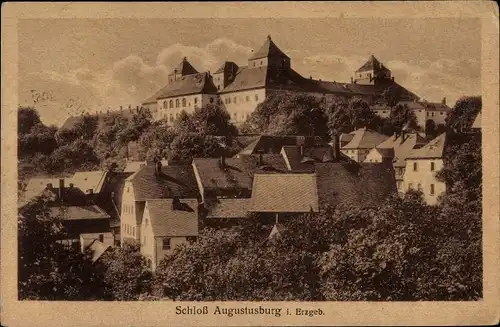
(274, 143)
(305, 162)
(86, 180)
(97, 248)
(372, 64)
(227, 207)
(200, 83)
(433, 149)
(268, 49)
(133, 166)
(401, 148)
(169, 221)
(237, 173)
(477, 122)
(173, 181)
(79, 212)
(434, 106)
(365, 139)
(284, 193)
(354, 184)
(112, 201)
(184, 68)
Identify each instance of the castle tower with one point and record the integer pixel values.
(371, 72)
(183, 69)
(269, 55)
(225, 75)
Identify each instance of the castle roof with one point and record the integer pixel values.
(372, 64)
(268, 49)
(185, 68)
(189, 84)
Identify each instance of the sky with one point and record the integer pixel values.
(74, 65)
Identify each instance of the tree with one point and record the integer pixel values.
(346, 117)
(47, 270)
(78, 155)
(402, 116)
(187, 146)
(392, 95)
(126, 272)
(211, 120)
(27, 117)
(156, 141)
(288, 113)
(86, 127)
(464, 112)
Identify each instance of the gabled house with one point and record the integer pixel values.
(166, 224)
(421, 168)
(151, 182)
(362, 142)
(394, 151)
(303, 159)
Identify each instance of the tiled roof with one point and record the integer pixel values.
(268, 49)
(414, 105)
(190, 84)
(477, 121)
(227, 207)
(112, 204)
(284, 193)
(79, 212)
(36, 186)
(354, 184)
(133, 166)
(402, 148)
(434, 106)
(86, 180)
(173, 181)
(97, 248)
(305, 163)
(433, 149)
(237, 173)
(274, 143)
(167, 221)
(372, 64)
(365, 139)
(185, 68)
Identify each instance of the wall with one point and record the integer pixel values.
(246, 103)
(130, 210)
(437, 116)
(160, 253)
(358, 155)
(425, 177)
(192, 101)
(147, 240)
(373, 156)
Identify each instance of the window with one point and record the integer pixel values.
(399, 185)
(432, 189)
(211, 100)
(432, 114)
(247, 98)
(183, 102)
(101, 238)
(415, 166)
(261, 62)
(166, 244)
(228, 100)
(164, 104)
(419, 187)
(256, 97)
(195, 100)
(150, 263)
(171, 104)
(177, 103)
(191, 239)
(218, 87)
(254, 63)
(410, 186)
(171, 117)
(432, 166)
(128, 189)
(441, 113)
(234, 99)
(133, 230)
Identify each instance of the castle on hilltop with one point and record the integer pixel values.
(240, 89)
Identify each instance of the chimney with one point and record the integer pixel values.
(61, 189)
(443, 101)
(261, 160)
(336, 147)
(223, 160)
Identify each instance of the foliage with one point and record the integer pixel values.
(211, 120)
(155, 142)
(48, 271)
(127, 272)
(392, 95)
(345, 117)
(187, 146)
(288, 114)
(403, 117)
(33, 136)
(464, 112)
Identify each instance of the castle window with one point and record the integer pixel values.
(218, 87)
(432, 189)
(254, 63)
(183, 102)
(247, 98)
(171, 103)
(171, 117)
(261, 62)
(164, 104)
(234, 99)
(211, 100)
(256, 97)
(432, 166)
(228, 100)
(177, 103)
(195, 100)
(414, 166)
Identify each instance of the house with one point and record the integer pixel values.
(394, 151)
(354, 184)
(96, 249)
(284, 194)
(268, 144)
(226, 208)
(132, 166)
(421, 167)
(86, 239)
(362, 142)
(166, 224)
(240, 89)
(151, 182)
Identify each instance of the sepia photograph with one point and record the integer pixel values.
(251, 160)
